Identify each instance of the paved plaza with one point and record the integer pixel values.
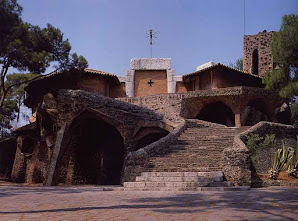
(95, 203)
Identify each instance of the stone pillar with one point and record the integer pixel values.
(237, 120)
(171, 81)
(52, 171)
(18, 173)
(130, 74)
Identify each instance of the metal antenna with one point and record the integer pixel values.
(151, 35)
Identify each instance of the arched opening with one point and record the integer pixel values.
(97, 153)
(219, 113)
(255, 62)
(254, 112)
(148, 135)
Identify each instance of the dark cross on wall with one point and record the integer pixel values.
(150, 82)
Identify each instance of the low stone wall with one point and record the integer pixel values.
(238, 164)
(262, 158)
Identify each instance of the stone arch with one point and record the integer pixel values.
(95, 153)
(148, 135)
(255, 62)
(256, 110)
(217, 112)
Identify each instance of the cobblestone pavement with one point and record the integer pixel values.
(92, 203)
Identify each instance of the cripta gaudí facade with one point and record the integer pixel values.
(151, 129)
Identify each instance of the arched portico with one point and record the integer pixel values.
(217, 112)
(95, 154)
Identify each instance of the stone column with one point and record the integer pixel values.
(19, 166)
(52, 171)
(171, 81)
(237, 120)
(130, 75)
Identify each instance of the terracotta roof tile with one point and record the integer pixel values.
(218, 65)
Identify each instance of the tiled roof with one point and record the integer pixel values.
(86, 70)
(92, 71)
(218, 65)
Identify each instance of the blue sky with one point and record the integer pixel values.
(191, 32)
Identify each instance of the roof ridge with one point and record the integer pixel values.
(219, 64)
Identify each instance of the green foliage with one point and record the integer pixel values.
(285, 53)
(279, 162)
(286, 158)
(7, 114)
(76, 62)
(28, 47)
(255, 142)
(237, 65)
(13, 101)
(293, 161)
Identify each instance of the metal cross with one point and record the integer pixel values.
(150, 82)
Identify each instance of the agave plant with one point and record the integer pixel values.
(293, 161)
(280, 162)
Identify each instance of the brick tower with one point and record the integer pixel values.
(257, 57)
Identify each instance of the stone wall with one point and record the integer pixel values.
(70, 108)
(7, 153)
(239, 166)
(262, 158)
(237, 163)
(261, 42)
(188, 105)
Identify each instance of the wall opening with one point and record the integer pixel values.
(255, 62)
(254, 112)
(219, 113)
(148, 135)
(98, 154)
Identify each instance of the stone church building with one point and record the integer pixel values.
(94, 127)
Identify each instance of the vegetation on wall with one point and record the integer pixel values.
(255, 142)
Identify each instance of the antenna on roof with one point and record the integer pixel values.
(151, 35)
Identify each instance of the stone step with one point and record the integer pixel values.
(220, 184)
(218, 173)
(232, 188)
(210, 180)
(163, 184)
(174, 169)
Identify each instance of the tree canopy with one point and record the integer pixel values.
(28, 47)
(237, 65)
(285, 55)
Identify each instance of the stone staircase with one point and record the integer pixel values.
(193, 162)
(182, 181)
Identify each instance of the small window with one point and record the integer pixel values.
(255, 62)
